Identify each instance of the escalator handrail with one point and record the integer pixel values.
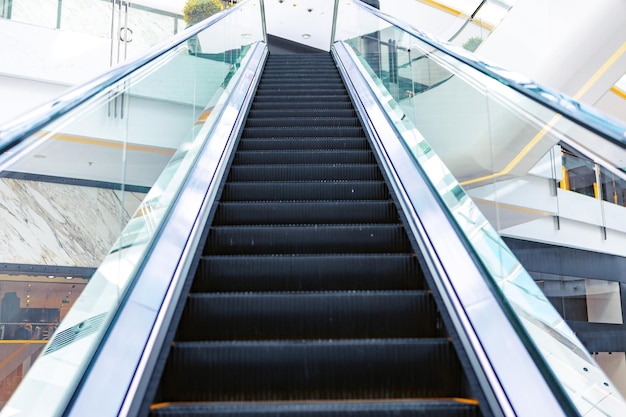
(481, 318)
(151, 302)
(17, 130)
(579, 113)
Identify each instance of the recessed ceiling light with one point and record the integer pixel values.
(306, 36)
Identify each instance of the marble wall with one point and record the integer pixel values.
(58, 224)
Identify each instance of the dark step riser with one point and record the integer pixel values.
(313, 105)
(315, 131)
(338, 315)
(322, 112)
(307, 273)
(420, 408)
(308, 191)
(305, 122)
(231, 240)
(249, 213)
(304, 173)
(345, 98)
(274, 371)
(304, 157)
(302, 143)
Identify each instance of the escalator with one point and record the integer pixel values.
(308, 298)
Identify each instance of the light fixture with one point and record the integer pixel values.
(69, 277)
(306, 36)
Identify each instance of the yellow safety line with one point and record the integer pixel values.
(455, 12)
(392, 400)
(19, 341)
(19, 350)
(512, 207)
(603, 69)
(619, 92)
(109, 143)
(525, 150)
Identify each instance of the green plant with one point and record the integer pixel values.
(198, 10)
(472, 43)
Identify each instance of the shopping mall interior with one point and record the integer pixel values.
(515, 111)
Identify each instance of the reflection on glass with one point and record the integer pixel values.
(463, 125)
(88, 193)
(583, 299)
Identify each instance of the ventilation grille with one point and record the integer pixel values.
(78, 331)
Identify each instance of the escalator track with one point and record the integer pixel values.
(308, 299)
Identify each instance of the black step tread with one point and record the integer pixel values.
(310, 172)
(444, 407)
(295, 103)
(308, 122)
(308, 315)
(317, 131)
(301, 190)
(311, 370)
(304, 112)
(304, 98)
(305, 212)
(307, 239)
(322, 79)
(302, 143)
(304, 156)
(307, 273)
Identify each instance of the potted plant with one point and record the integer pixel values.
(195, 11)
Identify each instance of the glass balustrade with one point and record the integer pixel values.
(85, 194)
(478, 137)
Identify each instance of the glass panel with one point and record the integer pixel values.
(148, 25)
(89, 192)
(504, 150)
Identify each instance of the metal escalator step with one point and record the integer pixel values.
(323, 131)
(310, 191)
(304, 172)
(315, 80)
(316, 122)
(382, 408)
(315, 156)
(311, 370)
(305, 212)
(308, 273)
(311, 315)
(309, 239)
(302, 143)
(304, 98)
(297, 104)
(304, 112)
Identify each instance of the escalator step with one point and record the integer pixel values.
(311, 191)
(305, 212)
(307, 122)
(312, 239)
(392, 408)
(296, 103)
(329, 98)
(323, 131)
(311, 370)
(310, 315)
(304, 112)
(301, 143)
(308, 273)
(345, 172)
(304, 157)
